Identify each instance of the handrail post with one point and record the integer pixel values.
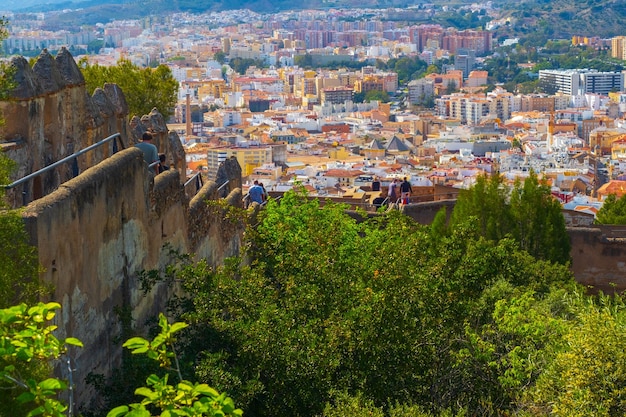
(75, 169)
(24, 195)
(198, 183)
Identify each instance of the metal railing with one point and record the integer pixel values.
(197, 179)
(222, 186)
(71, 158)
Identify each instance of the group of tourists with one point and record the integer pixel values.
(151, 154)
(399, 193)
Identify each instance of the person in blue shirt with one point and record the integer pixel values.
(150, 151)
(256, 193)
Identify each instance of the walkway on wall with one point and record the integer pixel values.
(71, 159)
(191, 186)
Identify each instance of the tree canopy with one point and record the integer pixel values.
(613, 210)
(527, 212)
(330, 315)
(144, 88)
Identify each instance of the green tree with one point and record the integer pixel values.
(539, 223)
(487, 202)
(304, 61)
(407, 68)
(220, 57)
(613, 210)
(384, 307)
(19, 283)
(19, 275)
(185, 399)
(375, 95)
(144, 89)
(27, 336)
(527, 212)
(27, 342)
(241, 65)
(358, 97)
(586, 376)
(7, 83)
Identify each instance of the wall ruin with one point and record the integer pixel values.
(50, 116)
(97, 223)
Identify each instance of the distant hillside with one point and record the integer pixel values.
(144, 7)
(564, 18)
(544, 18)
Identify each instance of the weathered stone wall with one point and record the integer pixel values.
(96, 231)
(424, 213)
(599, 257)
(50, 116)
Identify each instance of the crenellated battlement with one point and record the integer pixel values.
(51, 116)
(95, 229)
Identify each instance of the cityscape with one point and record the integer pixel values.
(296, 111)
(343, 209)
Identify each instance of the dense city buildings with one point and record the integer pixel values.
(315, 98)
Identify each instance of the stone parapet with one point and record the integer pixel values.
(51, 116)
(96, 232)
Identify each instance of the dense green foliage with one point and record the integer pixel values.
(185, 399)
(144, 88)
(503, 66)
(27, 342)
(407, 68)
(6, 78)
(613, 210)
(19, 274)
(541, 20)
(241, 65)
(27, 336)
(528, 213)
(374, 95)
(463, 19)
(331, 316)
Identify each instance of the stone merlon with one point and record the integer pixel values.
(28, 85)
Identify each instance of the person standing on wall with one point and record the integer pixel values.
(150, 151)
(266, 195)
(162, 165)
(393, 191)
(256, 193)
(405, 190)
(376, 184)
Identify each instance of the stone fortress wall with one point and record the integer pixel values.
(98, 230)
(51, 116)
(95, 231)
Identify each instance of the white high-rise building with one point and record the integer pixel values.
(581, 81)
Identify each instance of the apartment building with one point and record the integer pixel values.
(249, 158)
(581, 81)
(618, 47)
(420, 90)
(336, 95)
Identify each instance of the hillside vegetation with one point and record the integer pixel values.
(529, 18)
(564, 18)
